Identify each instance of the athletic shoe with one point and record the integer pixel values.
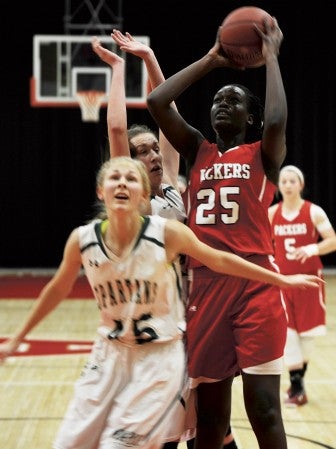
(296, 400)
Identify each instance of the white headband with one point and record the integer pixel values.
(296, 170)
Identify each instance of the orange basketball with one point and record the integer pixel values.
(238, 38)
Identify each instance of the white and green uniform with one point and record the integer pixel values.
(170, 205)
(135, 378)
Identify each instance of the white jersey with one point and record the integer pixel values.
(138, 294)
(170, 206)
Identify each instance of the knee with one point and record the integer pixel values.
(266, 411)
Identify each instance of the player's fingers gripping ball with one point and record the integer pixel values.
(238, 37)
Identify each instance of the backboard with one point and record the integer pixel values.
(66, 64)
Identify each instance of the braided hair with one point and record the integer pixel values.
(256, 108)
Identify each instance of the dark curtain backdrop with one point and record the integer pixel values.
(49, 157)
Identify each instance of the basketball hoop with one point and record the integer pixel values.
(90, 102)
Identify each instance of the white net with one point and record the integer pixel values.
(90, 102)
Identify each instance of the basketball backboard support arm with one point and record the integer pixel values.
(89, 16)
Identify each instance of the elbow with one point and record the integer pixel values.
(116, 130)
(151, 101)
(276, 122)
(155, 102)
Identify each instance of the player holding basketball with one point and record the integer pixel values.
(233, 326)
(131, 385)
(302, 233)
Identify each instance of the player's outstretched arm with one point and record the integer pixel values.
(127, 43)
(116, 103)
(275, 113)
(185, 138)
(51, 295)
(181, 240)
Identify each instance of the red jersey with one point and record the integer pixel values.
(290, 234)
(231, 194)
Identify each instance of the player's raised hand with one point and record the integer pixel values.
(128, 44)
(105, 55)
(219, 57)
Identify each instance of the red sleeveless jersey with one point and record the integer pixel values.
(229, 200)
(290, 234)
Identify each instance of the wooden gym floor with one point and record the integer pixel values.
(36, 385)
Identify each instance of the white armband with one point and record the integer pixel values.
(311, 250)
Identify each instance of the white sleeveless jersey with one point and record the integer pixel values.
(170, 206)
(139, 294)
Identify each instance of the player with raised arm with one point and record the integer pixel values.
(139, 141)
(233, 326)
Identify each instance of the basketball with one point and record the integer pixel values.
(239, 40)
